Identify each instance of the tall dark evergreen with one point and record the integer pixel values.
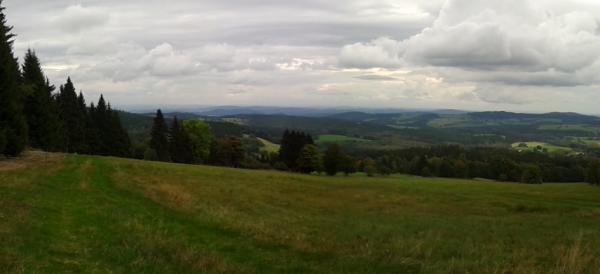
(159, 141)
(120, 138)
(73, 114)
(93, 132)
(333, 160)
(13, 125)
(292, 144)
(181, 146)
(40, 108)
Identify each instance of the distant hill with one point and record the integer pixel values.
(395, 129)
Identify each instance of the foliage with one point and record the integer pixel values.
(13, 125)
(40, 107)
(334, 159)
(292, 144)
(227, 151)
(369, 166)
(159, 137)
(593, 173)
(532, 175)
(310, 159)
(201, 139)
(181, 148)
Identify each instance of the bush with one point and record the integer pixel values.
(593, 173)
(532, 175)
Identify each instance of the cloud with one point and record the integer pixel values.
(513, 41)
(383, 52)
(373, 77)
(432, 53)
(77, 18)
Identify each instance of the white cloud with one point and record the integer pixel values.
(382, 52)
(519, 41)
(77, 18)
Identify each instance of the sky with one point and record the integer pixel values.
(515, 55)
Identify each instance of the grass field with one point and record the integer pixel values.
(531, 146)
(581, 128)
(269, 146)
(339, 139)
(108, 215)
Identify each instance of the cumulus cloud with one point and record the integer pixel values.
(383, 52)
(512, 41)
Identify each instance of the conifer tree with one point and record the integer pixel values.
(92, 132)
(159, 138)
(13, 125)
(40, 109)
(292, 143)
(181, 147)
(72, 113)
(118, 141)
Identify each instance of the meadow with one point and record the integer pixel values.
(550, 148)
(67, 213)
(334, 139)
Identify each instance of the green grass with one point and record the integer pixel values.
(102, 215)
(269, 146)
(581, 128)
(339, 139)
(590, 142)
(448, 122)
(552, 149)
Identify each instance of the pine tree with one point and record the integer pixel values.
(13, 125)
(40, 109)
(292, 144)
(119, 138)
(159, 138)
(181, 147)
(93, 132)
(73, 114)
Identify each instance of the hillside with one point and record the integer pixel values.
(91, 214)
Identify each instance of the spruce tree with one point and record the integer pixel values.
(92, 131)
(159, 138)
(181, 147)
(73, 114)
(119, 138)
(13, 125)
(42, 119)
(292, 144)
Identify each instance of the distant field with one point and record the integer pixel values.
(591, 142)
(269, 146)
(328, 139)
(448, 122)
(581, 128)
(531, 146)
(107, 215)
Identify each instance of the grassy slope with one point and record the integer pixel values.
(551, 148)
(89, 214)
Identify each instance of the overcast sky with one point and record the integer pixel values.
(520, 55)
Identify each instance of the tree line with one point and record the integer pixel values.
(33, 115)
(192, 142)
